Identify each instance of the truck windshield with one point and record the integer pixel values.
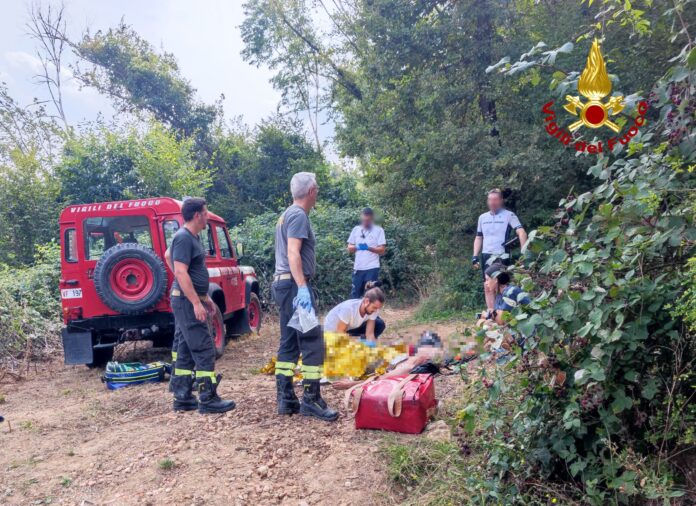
(101, 234)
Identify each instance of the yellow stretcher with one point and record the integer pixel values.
(346, 357)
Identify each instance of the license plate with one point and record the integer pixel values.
(71, 293)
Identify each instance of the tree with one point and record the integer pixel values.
(286, 37)
(29, 130)
(31, 203)
(431, 129)
(103, 165)
(47, 27)
(125, 67)
(254, 169)
(30, 143)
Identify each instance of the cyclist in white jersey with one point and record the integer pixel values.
(491, 235)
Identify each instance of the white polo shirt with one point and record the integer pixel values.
(349, 313)
(374, 237)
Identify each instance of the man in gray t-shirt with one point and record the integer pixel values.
(294, 223)
(295, 268)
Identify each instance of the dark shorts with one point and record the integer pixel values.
(360, 331)
(488, 259)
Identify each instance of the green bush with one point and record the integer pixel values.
(405, 267)
(30, 308)
(606, 275)
(459, 289)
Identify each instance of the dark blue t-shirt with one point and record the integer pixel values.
(510, 298)
(187, 249)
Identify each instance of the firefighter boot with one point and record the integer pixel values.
(288, 403)
(208, 399)
(314, 405)
(184, 400)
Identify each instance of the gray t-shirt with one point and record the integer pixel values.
(294, 223)
(187, 249)
(493, 228)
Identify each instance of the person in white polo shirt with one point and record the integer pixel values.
(491, 236)
(368, 242)
(358, 317)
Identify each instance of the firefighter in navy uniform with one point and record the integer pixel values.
(190, 305)
(295, 267)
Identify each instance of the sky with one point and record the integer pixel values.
(203, 35)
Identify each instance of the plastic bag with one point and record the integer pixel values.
(303, 320)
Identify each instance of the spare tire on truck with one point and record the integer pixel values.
(130, 278)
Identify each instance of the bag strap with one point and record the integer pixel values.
(396, 397)
(352, 401)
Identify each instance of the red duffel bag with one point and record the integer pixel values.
(398, 403)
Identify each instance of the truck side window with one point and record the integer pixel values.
(170, 228)
(223, 242)
(206, 237)
(70, 245)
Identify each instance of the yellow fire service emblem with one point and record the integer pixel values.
(594, 84)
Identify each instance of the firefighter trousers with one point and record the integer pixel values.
(292, 342)
(195, 348)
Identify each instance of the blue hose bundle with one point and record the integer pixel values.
(118, 375)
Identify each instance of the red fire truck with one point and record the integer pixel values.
(115, 284)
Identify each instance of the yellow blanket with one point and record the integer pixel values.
(346, 357)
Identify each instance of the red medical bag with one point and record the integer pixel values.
(399, 403)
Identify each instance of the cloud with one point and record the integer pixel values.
(23, 60)
(30, 63)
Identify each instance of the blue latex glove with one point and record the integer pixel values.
(303, 298)
(369, 344)
(475, 260)
(363, 246)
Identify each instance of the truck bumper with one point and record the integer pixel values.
(81, 337)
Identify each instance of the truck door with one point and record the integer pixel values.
(230, 273)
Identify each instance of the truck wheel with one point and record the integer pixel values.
(216, 327)
(100, 356)
(130, 278)
(254, 313)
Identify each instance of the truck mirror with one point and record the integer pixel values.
(240, 249)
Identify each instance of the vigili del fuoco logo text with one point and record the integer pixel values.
(594, 85)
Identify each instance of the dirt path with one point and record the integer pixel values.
(74, 442)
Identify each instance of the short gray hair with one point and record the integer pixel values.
(301, 183)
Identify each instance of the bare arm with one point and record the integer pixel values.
(402, 368)
(478, 243)
(370, 330)
(168, 259)
(499, 317)
(295, 260)
(352, 248)
(186, 285)
(522, 235)
(342, 327)
(380, 250)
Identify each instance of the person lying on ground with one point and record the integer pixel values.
(433, 353)
(359, 317)
(506, 295)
